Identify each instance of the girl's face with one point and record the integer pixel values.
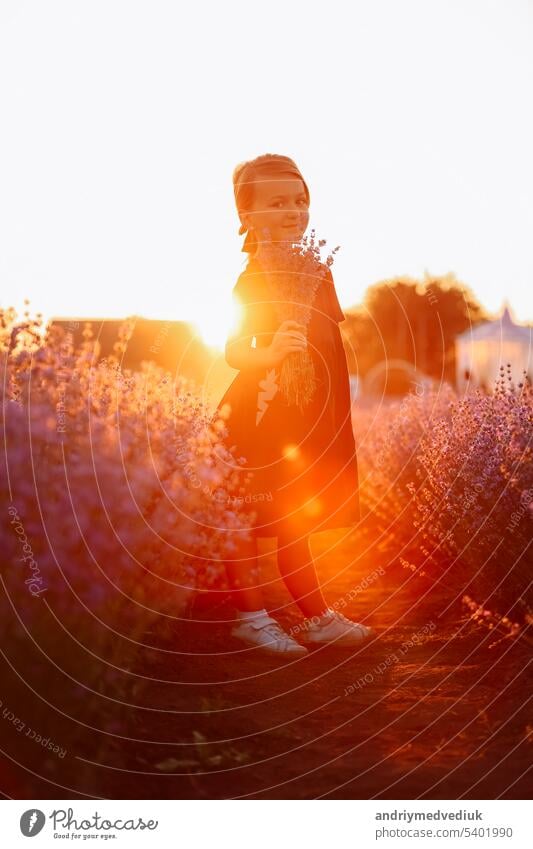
(280, 205)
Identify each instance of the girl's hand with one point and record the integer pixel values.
(290, 336)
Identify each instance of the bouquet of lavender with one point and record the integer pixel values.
(295, 271)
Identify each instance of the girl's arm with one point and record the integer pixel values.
(240, 354)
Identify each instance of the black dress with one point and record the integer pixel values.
(301, 468)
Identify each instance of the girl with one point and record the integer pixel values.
(301, 466)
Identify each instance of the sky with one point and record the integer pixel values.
(123, 121)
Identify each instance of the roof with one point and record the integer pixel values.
(501, 327)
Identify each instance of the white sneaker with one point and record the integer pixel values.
(335, 628)
(268, 636)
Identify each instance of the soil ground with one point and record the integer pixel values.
(441, 717)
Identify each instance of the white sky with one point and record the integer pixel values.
(122, 123)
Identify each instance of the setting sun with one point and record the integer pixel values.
(214, 326)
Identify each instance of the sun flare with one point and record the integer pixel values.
(215, 325)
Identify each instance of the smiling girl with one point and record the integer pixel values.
(301, 464)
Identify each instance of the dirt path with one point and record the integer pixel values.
(443, 717)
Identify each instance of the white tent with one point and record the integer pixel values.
(481, 350)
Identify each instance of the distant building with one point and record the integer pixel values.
(480, 351)
(173, 345)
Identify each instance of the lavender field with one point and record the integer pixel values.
(118, 677)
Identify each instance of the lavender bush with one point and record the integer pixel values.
(447, 484)
(115, 502)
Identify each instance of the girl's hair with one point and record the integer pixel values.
(247, 173)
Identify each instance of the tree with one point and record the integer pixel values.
(417, 321)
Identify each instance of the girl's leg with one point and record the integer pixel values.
(243, 572)
(295, 563)
(255, 627)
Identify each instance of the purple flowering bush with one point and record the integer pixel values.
(447, 483)
(115, 502)
(388, 445)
